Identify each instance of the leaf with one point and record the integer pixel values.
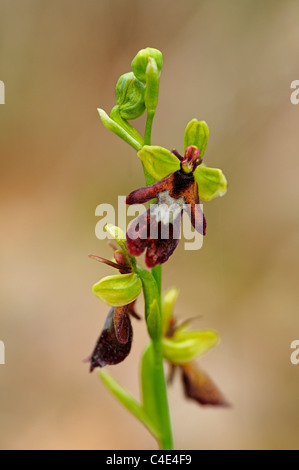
(158, 161)
(211, 183)
(129, 402)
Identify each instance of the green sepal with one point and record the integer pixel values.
(197, 134)
(158, 161)
(211, 183)
(118, 290)
(185, 346)
(168, 302)
(118, 130)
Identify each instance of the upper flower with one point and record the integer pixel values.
(182, 183)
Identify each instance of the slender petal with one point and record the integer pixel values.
(142, 195)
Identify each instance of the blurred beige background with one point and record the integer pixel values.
(228, 62)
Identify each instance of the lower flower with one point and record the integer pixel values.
(181, 346)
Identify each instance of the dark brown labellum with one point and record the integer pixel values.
(199, 387)
(109, 350)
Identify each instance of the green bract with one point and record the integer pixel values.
(185, 346)
(120, 237)
(168, 302)
(211, 183)
(159, 162)
(118, 290)
(118, 234)
(125, 125)
(130, 96)
(152, 86)
(140, 62)
(119, 130)
(197, 134)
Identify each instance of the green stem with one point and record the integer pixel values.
(157, 273)
(166, 440)
(148, 128)
(160, 388)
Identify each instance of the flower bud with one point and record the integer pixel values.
(130, 96)
(118, 290)
(197, 134)
(140, 62)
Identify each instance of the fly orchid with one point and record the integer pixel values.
(183, 182)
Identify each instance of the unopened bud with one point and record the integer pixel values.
(140, 62)
(130, 96)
